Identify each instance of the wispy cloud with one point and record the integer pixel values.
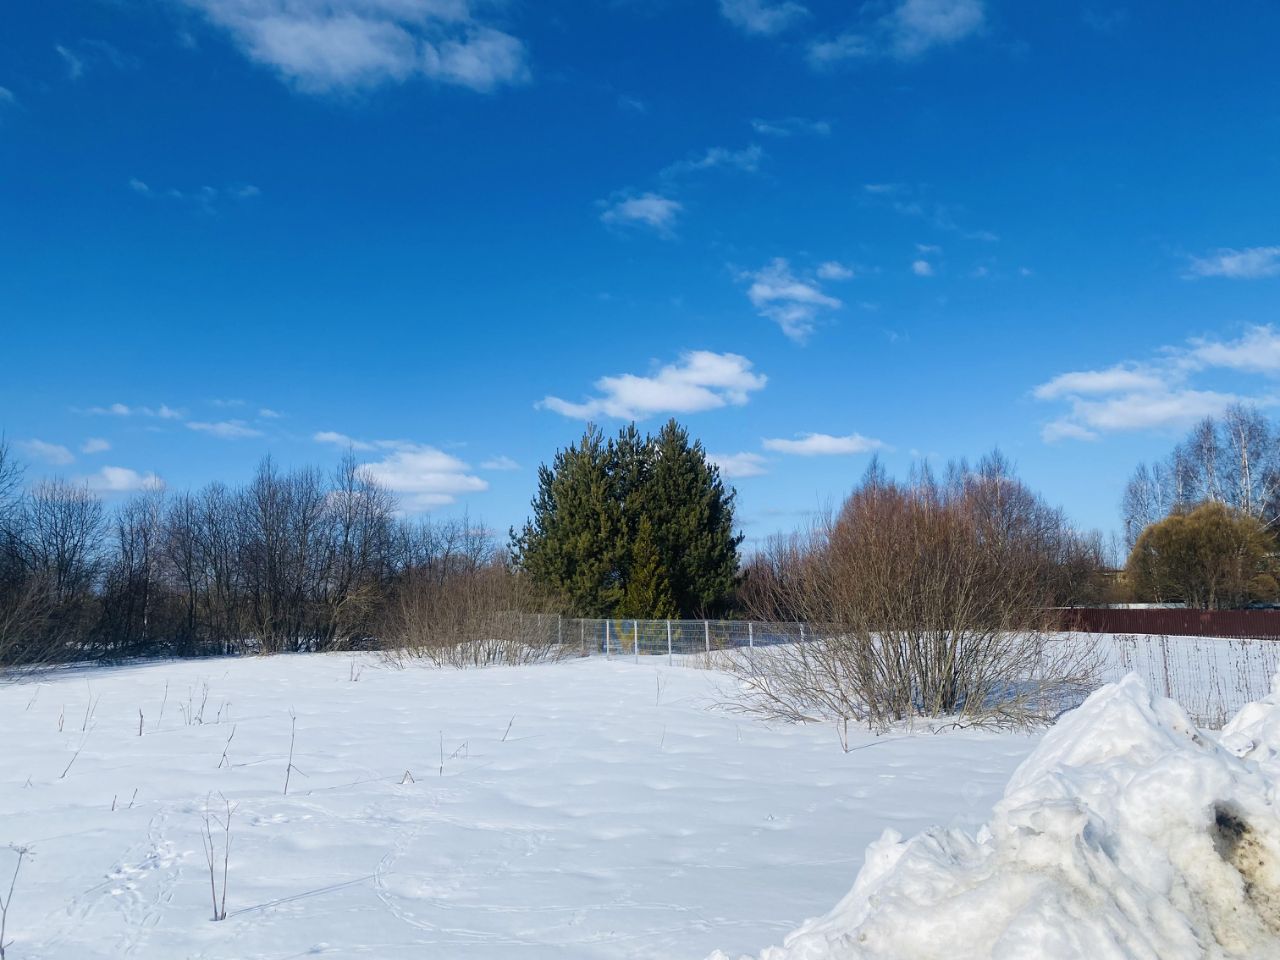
(500, 463)
(833, 270)
(207, 199)
(51, 453)
(908, 30)
(922, 268)
(225, 429)
(791, 126)
(650, 210)
(266, 413)
(95, 445)
(763, 17)
(342, 440)
(87, 54)
(823, 445)
(700, 380)
(325, 45)
(1248, 264)
(162, 412)
(792, 302)
(746, 160)
(1158, 393)
(735, 466)
(7, 97)
(1117, 379)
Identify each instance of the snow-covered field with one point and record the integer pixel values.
(581, 810)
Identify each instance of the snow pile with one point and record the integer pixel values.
(1127, 834)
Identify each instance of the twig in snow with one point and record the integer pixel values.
(139, 721)
(210, 855)
(407, 778)
(511, 721)
(64, 773)
(7, 902)
(32, 701)
(162, 704)
(293, 734)
(227, 747)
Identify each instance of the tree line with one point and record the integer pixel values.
(1201, 525)
(292, 560)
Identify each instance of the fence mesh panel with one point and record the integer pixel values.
(1212, 677)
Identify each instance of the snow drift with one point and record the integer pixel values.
(1128, 833)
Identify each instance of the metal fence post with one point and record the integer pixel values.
(668, 643)
(606, 639)
(751, 634)
(582, 628)
(706, 627)
(635, 639)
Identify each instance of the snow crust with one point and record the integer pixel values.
(1128, 833)
(588, 810)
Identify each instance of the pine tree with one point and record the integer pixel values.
(571, 545)
(639, 524)
(692, 516)
(648, 593)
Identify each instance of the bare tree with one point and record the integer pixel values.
(925, 599)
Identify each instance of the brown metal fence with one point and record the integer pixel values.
(1237, 624)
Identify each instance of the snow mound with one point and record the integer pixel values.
(1128, 833)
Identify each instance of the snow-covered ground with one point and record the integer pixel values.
(1127, 835)
(584, 809)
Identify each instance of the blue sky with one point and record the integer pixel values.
(447, 232)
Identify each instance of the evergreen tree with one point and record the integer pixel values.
(639, 524)
(648, 593)
(571, 545)
(692, 516)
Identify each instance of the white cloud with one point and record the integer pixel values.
(747, 160)
(701, 380)
(7, 96)
(500, 463)
(823, 444)
(52, 453)
(846, 46)
(1157, 394)
(206, 198)
(1249, 264)
(73, 63)
(789, 301)
(922, 268)
(324, 45)
(650, 210)
(762, 17)
(735, 466)
(910, 29)
(226, 429)
(266, 413)
(122, 480)
(1066, 430)
(1115, 379)
(95, 445)
(1257, 351)
(919, 25)
(342, 440)
(831, 270)
(423, 476)
(162, 412)
(791, 126)
(1145, 411)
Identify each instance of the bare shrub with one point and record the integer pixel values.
(471, 618)
(926, 599)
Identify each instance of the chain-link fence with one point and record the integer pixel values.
(621, 638)
(1212, 677)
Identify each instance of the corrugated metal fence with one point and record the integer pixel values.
(1239, 624)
